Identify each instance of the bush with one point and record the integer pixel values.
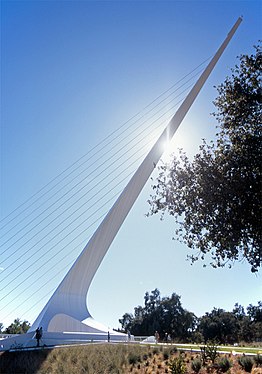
(211, 351)
(196, 365)
(173, 350)
(224, 364)
(155, 351)
(246, 363)
(258, 360)
(134, 358)
(177, 365)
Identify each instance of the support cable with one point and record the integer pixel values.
(90, 151)
(51, 258)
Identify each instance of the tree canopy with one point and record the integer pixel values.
(215, 199)
(16, 327)
(167, 316)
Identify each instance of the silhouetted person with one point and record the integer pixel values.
(38, 335)
(108, 336)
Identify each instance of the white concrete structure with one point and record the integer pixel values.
(66, 317)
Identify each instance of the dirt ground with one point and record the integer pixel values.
(156, 364)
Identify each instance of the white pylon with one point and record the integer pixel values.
(66, 311)
(69, 300)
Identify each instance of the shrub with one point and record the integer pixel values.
(177, 365)
(134, 358)
(224, 364)
(246, 363)
(211, 351)
(258, 360)
(173, 350)
(196, 365)
(203, 355)
(155, 350)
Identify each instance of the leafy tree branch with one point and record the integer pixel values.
(215, 199)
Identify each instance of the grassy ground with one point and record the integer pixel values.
(224, 348)
(109, 359)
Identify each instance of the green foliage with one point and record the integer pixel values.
(231, 327)
(246, 363)
(168, 317)
(165, 315)
(177, 365)
(126, 321)
(219, 325)
(255, 312)
(134, 358)
(216, 198)
(211, 352)
(17, 327)
(224, 364)
(258, 360)
(196, 365)
(203, 354)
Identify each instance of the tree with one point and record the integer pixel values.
(17, 327)
(255, 312)
(176, 321)
(239, 312)
(126, 321)
(219, 326)
(231, 327)
(255, 315)
(216, 198)
(165, 315)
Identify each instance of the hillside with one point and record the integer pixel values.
(114, 359)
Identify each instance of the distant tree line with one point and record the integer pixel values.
(167, 316)
(16, 327)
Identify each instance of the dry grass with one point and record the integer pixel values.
(103, 359)
(91, 359)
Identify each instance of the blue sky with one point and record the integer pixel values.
(72, 72)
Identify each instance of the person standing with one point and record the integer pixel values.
(38, 335)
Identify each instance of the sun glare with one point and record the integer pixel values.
(168, 148)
